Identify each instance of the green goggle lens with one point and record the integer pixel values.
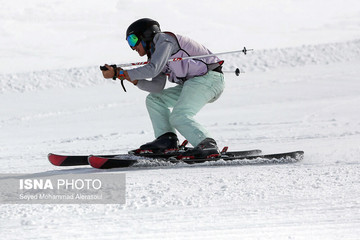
(133, 40)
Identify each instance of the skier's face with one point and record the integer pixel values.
(140, 49)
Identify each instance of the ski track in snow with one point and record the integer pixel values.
(303, 98)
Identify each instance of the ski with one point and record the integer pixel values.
(123, 161)
(77, 160)
(276, 157)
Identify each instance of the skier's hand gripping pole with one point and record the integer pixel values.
(112, 71)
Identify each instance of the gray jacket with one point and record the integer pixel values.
(169, 45)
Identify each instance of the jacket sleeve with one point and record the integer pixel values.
(156, 85)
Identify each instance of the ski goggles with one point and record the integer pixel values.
(133, 40)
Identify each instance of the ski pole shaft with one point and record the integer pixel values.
(244, 50)
(237, 72)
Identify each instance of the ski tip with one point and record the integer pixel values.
(96, 162)
(296, 155)
(56, 160)
(299, 155)
(298, 152)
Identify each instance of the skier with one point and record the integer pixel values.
(199, 81)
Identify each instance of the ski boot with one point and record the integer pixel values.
(166, 143)
(204, 150)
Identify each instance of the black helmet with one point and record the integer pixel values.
(144, 29)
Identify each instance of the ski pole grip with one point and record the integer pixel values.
(103, 68)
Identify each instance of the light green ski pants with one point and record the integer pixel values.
(186, 101)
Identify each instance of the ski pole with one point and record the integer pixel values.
(244, 50)
(237, 71)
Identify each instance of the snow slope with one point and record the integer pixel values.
(300, 91)
(42, 35)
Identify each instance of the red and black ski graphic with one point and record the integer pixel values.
(70, 160)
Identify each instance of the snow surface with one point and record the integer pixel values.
(300, 91)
